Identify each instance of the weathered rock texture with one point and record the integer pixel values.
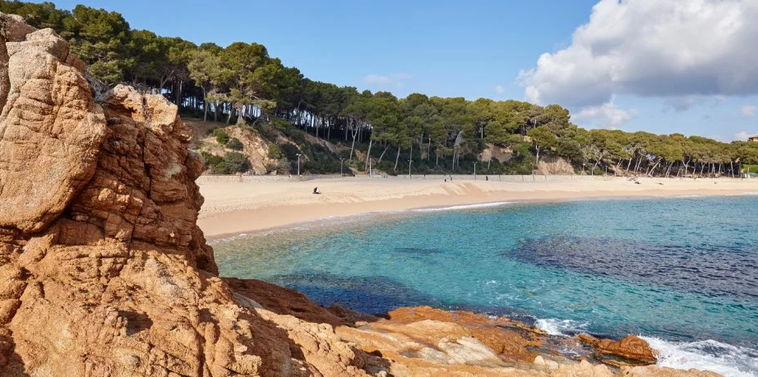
(631, 349)
(104, 272)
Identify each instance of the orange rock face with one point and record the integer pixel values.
(104, 272)
(511, 340)
(51, 130)
(631, 349)
(283, 301)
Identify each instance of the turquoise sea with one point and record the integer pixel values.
(681, 272)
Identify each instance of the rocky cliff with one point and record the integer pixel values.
(104, 272)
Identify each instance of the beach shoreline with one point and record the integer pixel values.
(234, 207)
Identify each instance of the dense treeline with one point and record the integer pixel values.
(241, 84)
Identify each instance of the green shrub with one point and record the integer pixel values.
(210, 160)
(235, 144)
(290, 151)
(233, 162)
(237, 162)
(274, 151)
(221, 136)
(278, 123)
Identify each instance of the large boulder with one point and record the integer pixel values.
(103, 270)
(50, 128)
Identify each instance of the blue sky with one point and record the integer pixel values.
(491, 49)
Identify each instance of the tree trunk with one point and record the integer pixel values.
(686, 167)
(205, 105)
(596, 164)
(397, 158)
(386, 146)
(352, 147)
(651, 171)
(240, 117)
(368, 153)
(180, 86)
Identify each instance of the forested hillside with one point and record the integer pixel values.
(241, 85)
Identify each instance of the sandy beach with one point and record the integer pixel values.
(233, 207)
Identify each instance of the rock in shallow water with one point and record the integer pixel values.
(631, 350)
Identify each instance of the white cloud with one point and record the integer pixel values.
(742, 136)
(748, 111)
(499, 89)
(397, 79)
(652, 48)
(606, 115)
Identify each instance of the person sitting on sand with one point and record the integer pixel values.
(316, 191)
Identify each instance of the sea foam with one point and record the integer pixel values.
(710, 355)
(560, 327)
(463, 207)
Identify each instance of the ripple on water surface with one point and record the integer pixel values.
(682, 271)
